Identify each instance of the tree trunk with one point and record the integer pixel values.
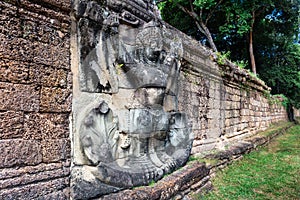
(206, 32)
(201, 26)
(252, 59)
(209, 37)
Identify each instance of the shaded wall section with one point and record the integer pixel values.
(35, 103)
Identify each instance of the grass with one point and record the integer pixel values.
(272, 172)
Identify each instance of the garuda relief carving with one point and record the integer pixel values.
(135, 133)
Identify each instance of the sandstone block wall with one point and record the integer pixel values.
(226, 108)
(36, 94)
(35, 99)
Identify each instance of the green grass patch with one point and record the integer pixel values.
(273, 172)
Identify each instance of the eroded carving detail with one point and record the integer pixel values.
(135, 135)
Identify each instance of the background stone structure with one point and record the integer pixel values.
(35, 99)
(225, 105)
(226, 108)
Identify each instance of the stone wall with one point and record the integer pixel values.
(35, 103)
(224, 103)
(226, 108)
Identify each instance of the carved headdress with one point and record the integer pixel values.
(150, 36)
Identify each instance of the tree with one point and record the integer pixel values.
(278, 50)
(262, 29)
(244, 14)
(200, 11)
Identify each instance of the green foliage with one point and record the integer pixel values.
(252, 74)
(237, 19)
(241, 63)
(271, 173)
(192, 158)
(281, 98)
(161, 5)
(283, 74)
(152, 183)
(277, 99)
(174, 16)
(222, 57)
(205, 4)
(275, 30)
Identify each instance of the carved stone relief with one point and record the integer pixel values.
(127, 127)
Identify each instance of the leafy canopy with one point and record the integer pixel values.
(275, 25)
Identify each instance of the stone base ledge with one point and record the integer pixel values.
(249, 144)
(219, 160)
(170, 186)
(196, 175)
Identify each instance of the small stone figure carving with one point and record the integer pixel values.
(136, 134)
(97, 139)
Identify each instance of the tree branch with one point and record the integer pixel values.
(194, 16)
(212, 11)
(199, 23)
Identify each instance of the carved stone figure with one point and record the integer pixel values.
(132, 133)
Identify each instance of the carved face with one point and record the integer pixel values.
(141, 53)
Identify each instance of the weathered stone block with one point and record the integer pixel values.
(214, 133)
(8, 18)
(13, 71)
(19, 152)
(21, 49)
(54, 14)
(202, 149)
(23, 72)
(11, 124)
(40, 126)
(62, 4)
(212, 93)
(26, 179)
(59, 194)
(55, 100)
(194, 100)
(242, 126)
(10, 173)
(213, 114)
(236, 98)
(36, 190)
(227, 122)
(218, 95)
(199, 135)
(19, 97)
(51, 55)
(236, 105)
(244, 112)
(55, 150)
(48, 76)
(192, 87)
